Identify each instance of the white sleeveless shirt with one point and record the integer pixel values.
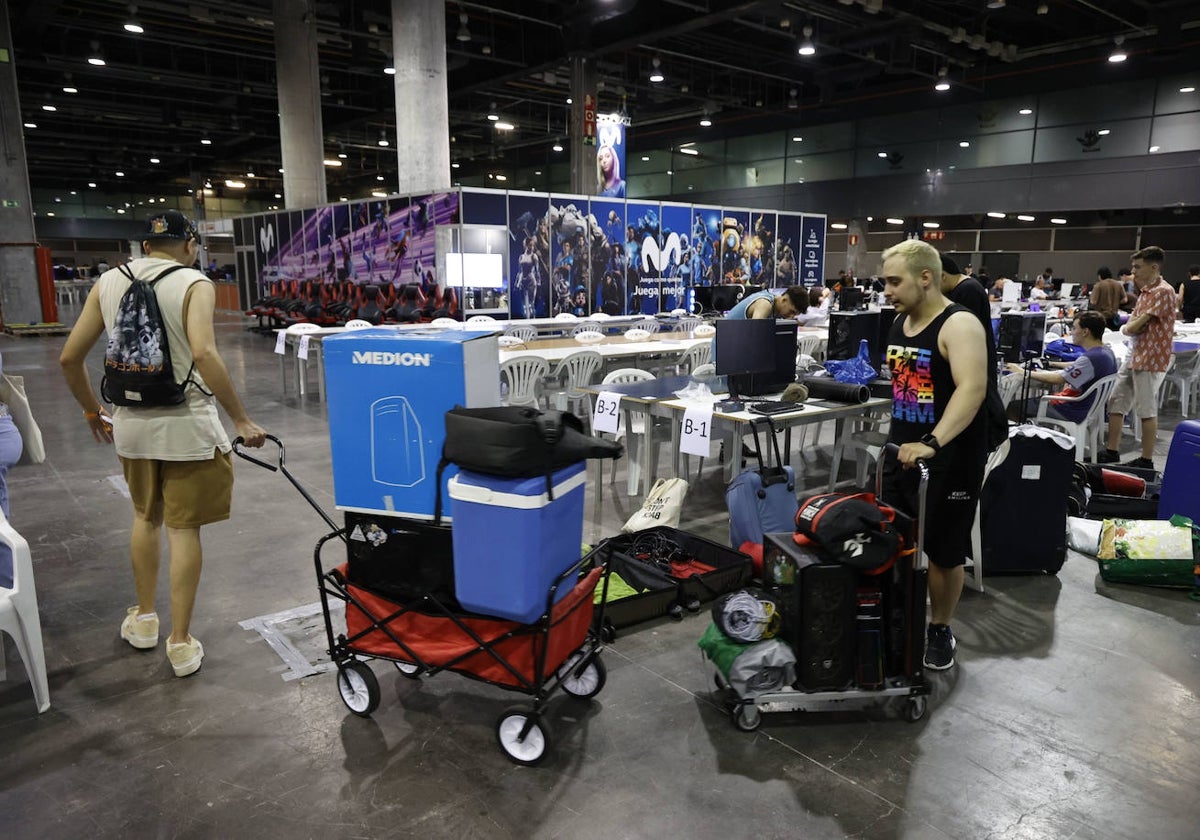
(191, 430)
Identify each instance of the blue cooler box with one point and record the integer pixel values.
(388, 393)
(511, 542)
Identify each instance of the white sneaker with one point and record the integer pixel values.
(185, 656)
(140, 631)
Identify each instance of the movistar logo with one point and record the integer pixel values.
(266, 237)
(362, 357)
(659, 259)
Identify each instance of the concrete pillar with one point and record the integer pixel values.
(583, 147)
(422, 100)
(19, 299)
(297, 71)
(856, 254)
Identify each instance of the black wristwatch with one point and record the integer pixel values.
(932, 442)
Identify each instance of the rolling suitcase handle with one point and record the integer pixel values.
(279, 467)
(770, 475)
(919, 561)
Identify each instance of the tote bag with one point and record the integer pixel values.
(662, 506)
(12, 393)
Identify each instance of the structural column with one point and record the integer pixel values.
(18, 268)
(422, 99)
(297, 69)
(581, 143)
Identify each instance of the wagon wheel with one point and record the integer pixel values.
(587, 683)
(915, 708)
(531, 748)
(359, 689)
(409, 669)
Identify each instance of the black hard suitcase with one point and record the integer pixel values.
(1023, 521)
(1094, 503)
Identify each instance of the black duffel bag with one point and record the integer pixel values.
(517, 442)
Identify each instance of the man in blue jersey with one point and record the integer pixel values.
(937, 354)
(1096, 362)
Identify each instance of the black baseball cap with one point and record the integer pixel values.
(949, 266)
(171, 224)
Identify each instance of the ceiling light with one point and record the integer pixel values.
(95, 57)
(379, 193)
(455, 165)
(51, 213)
(557, 146)
(332, 162)
(31, 125)
(249, 173)
(792, 101)
(656, 75)
(235, 185)
(689, 151)
(378, 177)
(69, 89)
(882, 155)
(464, 34)
(92, 185)
(1024, 218)
(281, 170)
(501, 177)
(132, 24)
(279, 195)
(119, 174)
(963, 144)
(994, 215)
(705, 122)
(73, 192)
(806, 46)
(504, 125)
(155, 160)
(930, 225)
(383, 140)
(995, 4)
(942, 83)
(390, 68)
(1187, 89)
(645, 157)
(208, 183)
(1153, 149)
(204, 141)
(569, 100)
(1104, 132)
(838, 225)
(1118, 54)
(48, 107)
(1025, 112)
(670, 172)
(121, 210)
(895, 221)
(1058, 221)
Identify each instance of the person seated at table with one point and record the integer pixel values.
(996, 290)
(1038, 292)
(1096, 362)
(818, 308)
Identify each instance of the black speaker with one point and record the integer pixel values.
(1021, 333)
(847, 329)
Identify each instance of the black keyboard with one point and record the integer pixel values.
(774, 407)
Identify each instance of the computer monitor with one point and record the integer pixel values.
(726, 297)
(850, 298)
(758, 355)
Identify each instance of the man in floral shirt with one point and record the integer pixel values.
(1152, 328)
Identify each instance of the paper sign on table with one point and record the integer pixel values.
(608, 412)
(281, 343)
(695, 436)
(302, 350)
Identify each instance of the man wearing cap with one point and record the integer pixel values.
(175, 458)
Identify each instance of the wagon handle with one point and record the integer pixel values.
(242, 453)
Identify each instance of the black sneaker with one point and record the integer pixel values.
(1140, 463)
(939, 647)
(1108, 456)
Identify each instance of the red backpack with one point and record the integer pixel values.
(856, 530)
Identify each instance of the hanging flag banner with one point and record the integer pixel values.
(589, 119)
(610, 155)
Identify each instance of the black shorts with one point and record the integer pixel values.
(950, 502)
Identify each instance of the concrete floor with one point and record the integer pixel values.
(1072, 714)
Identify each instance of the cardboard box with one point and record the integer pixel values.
(388, 391)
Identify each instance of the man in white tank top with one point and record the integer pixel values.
(175, 458)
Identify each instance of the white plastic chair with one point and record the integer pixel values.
(811, 344)
(565, 316)
(686, 325)
(575, 371)
(525, 333)
(523, 375)
(585, 326)
(1184, 377)
(481, 319)
(19, 616)
(358, 324)
(649, 323)
(636, 435)
(693, 357)
(1008, 384)
(600, 316)
(706, 369)
(446, 323)
(1086, 432)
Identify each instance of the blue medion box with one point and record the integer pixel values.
(388, 392)
(511, 541)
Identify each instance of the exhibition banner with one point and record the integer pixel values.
(642, 248)
(812, 258)
(529, 252)
(787, 268)
(609, 261)
(674, 259)
(610, 156)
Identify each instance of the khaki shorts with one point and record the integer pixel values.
(1136, 390)
(183, 494)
